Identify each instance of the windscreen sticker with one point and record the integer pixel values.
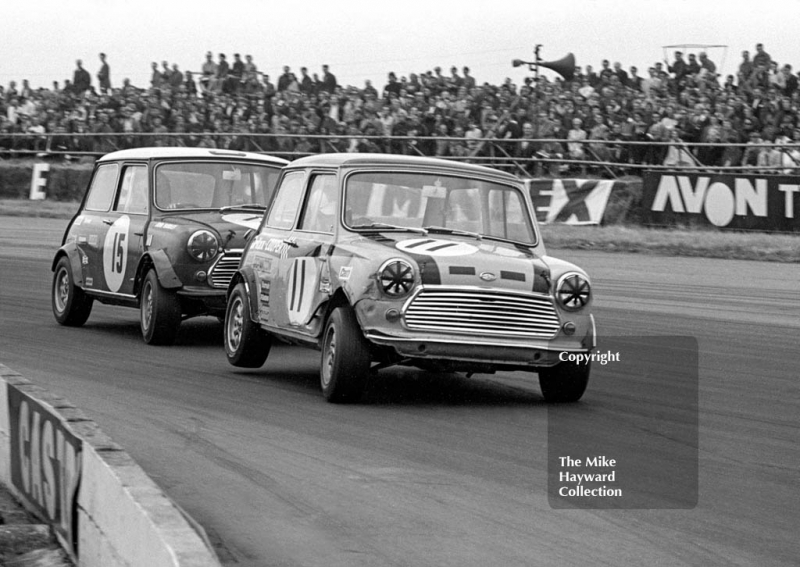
(115, 253)
(436, 247)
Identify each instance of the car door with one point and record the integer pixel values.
(272, 245)
(116, 239)
(305, 281)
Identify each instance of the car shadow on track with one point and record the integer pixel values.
(297, 368)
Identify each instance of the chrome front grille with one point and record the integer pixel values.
(222, 271)
(478, 311)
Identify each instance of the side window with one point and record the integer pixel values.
(319, 213)
(133, 191)
(101, 192)
(287, 202)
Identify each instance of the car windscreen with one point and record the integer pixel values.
(213, 185)
(402, 200)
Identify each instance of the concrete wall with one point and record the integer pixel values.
(104, 509)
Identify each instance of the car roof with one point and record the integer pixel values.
(389, 160)
(170, 153)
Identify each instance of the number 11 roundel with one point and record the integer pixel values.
(300, 290)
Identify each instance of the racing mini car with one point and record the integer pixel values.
(380, 260)
(161, 229)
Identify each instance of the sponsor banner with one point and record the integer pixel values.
(743, 202)
(570, 201)
(45, 464)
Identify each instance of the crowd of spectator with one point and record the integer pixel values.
(235, 106)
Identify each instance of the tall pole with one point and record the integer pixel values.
(535, 70)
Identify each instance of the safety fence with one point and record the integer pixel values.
(548, 157)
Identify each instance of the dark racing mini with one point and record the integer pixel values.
(161, 230)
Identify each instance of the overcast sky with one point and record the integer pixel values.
(41, 39)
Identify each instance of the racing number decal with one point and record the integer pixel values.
(115, 253)
(436, 247)
(300, 289)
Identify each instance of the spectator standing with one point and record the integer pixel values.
(307, 85)
(237, 73)
(621, 74)
(761, 58)
(190, 84)
(678, 67)
(790, 80)
(707, 67)
(469, 80)
(328, 80)
(285, 79)
(175, 77)
(209, 70)
(392, 87)
(104, 75)
(634, 80)
(746, 68)
(156, 78)
(81, 79)
(692, 67)
(223, 71)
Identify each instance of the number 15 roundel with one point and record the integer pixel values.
(115, 253)
(300, 290)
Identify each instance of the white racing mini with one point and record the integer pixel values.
(378, 260)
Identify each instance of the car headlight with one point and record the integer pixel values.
(573, 291)
(396, 278)
(202, 245)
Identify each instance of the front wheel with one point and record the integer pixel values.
(160, 312)
(246, 345)
(71, 306)
(564, 382)
(345, 358)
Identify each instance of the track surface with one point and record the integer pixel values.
(434, 470)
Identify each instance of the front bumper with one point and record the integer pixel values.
(475, 347)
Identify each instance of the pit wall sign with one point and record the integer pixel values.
(743, 202)
(569, 201)
(45, 464)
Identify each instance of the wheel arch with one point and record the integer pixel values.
(248, 277)
(74, 255)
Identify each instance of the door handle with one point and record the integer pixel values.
(292, 241)
(108, 222)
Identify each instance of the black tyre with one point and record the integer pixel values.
(345, 358)
(246, 344)
(160, 312)
(71, 306)
(565, 382)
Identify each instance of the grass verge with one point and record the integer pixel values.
(770, 247)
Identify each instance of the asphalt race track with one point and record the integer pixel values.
(437, 470)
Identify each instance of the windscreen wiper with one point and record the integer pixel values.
(243, 207)
(385, 226)
(456, 231)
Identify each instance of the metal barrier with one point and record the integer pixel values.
(551, 159)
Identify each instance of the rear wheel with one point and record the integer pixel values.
(565, 382)
(345, 358)
(160, 312)
(246, 344)
(71, 306)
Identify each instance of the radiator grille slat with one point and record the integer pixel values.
(482, 312)
(222, 272)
